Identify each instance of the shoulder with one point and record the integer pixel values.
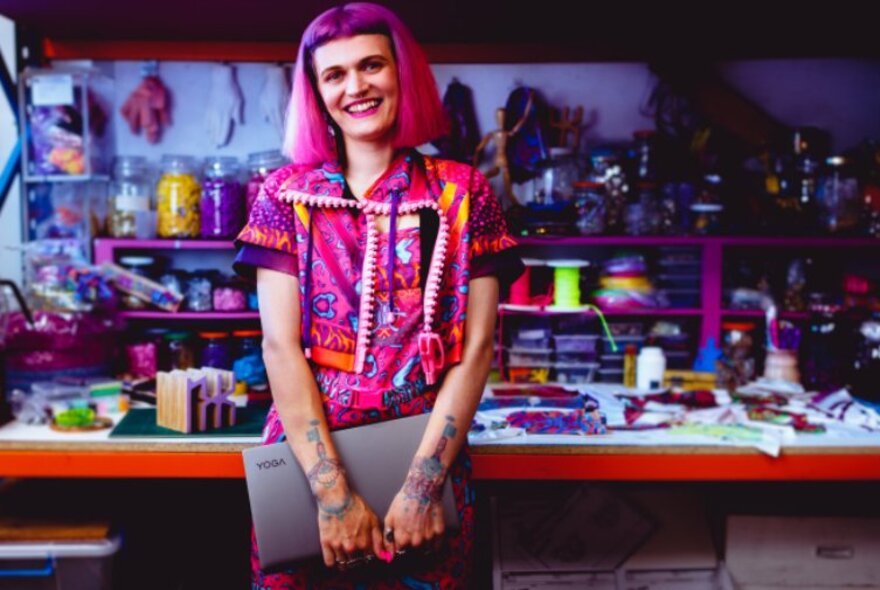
(284, 176)
(465, 176)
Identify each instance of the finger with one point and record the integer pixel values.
(416, 540)
(329, 555)
(378, 543)
(389, 536)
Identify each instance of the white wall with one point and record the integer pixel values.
(10, 216)
(840, 95)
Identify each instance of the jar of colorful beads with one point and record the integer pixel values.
(260, 165)
(222, 206)
(216, 351)
(178, 195)
(230, 295)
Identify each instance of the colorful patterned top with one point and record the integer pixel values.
(368, 338)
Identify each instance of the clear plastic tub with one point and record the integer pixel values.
(57, 565)
(610, 375)
(528, 357)
(611, 361)
(576, 372)
(581, 343)
(532, 343)
(626, 328)
(576, 357)
(622, 342)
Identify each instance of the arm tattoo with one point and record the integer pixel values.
(424, 482)
(324, 475)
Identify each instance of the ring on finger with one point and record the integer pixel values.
(389, 535)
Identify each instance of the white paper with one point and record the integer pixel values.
(52, 89)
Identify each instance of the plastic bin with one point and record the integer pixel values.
(528, 357)
(580, 343)
(611, 361)
(576, 372)
(576, 357)
(610, 375)
(57, 565)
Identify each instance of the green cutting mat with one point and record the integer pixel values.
(142, 422)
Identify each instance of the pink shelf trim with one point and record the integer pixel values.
(191, 315)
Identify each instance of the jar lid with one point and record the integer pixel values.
(707, 207)
(835, 161)
(266, 159)
(178, 163)
(247, 333)
(559, 152)
(137, 261)
(568, 263)
(176, 336)
(213, 335)
(739, 326)
(129, 165)
(221, 166)
(644, 133)
(587, 184)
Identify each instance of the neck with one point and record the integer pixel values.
(366, 162)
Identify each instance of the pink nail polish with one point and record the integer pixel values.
(386, 556)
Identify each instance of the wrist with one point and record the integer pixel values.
(424, 481)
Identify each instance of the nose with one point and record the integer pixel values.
(356, 84)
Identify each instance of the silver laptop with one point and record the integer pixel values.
(376, 459)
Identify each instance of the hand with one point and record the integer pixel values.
(416, 514)
(347, 527)
(274, 97)
(224, 104)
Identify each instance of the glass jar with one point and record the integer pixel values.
(178, 196)
(222, 206)
(248, 365)
(606, 169)
(645, 158)
(130, 212)
(216, 351)
(179, 352)
(230, 295)
(143, 266)
(839, 197)
(260, 166)
(706, 218)
(737, 364)
(199, 292)
(824, 353)
(142, 354)
(557, 176)
(589, 202)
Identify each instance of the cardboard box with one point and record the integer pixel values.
(768, 552)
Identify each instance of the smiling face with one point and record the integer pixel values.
(357, 80)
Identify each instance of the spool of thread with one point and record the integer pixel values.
(521, 289)
(567, 282)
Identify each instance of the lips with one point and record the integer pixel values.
(363, 107)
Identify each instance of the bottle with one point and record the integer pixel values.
(650, 367)
(629, 366)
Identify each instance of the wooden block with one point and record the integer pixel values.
(221, 385)
(195, 400)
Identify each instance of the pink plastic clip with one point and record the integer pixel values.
(433, 355)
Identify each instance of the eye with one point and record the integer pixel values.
(333, 76)
(373, 66)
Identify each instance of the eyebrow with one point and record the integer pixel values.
(360, 62)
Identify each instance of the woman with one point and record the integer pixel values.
(368, 259)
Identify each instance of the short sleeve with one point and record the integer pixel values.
(268, 240)
(493, 249)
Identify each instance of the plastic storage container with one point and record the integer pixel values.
(576, 372)
(260, 165)
(58, 565)
(580, 343)
(519, 357)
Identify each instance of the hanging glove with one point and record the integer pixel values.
(274, 97)
(148, 107)
(224, 104)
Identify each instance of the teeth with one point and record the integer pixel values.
(363, 106)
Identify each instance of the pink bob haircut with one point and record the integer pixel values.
(420, 116)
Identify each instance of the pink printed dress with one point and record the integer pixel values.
(378, 328)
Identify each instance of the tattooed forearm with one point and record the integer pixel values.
(424, 482)
(337, 510)
(326, 473)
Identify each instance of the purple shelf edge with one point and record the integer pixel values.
(610, 313)
(805, 241)
(191, 315)
(165, 244)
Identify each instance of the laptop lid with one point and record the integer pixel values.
(376, 457)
